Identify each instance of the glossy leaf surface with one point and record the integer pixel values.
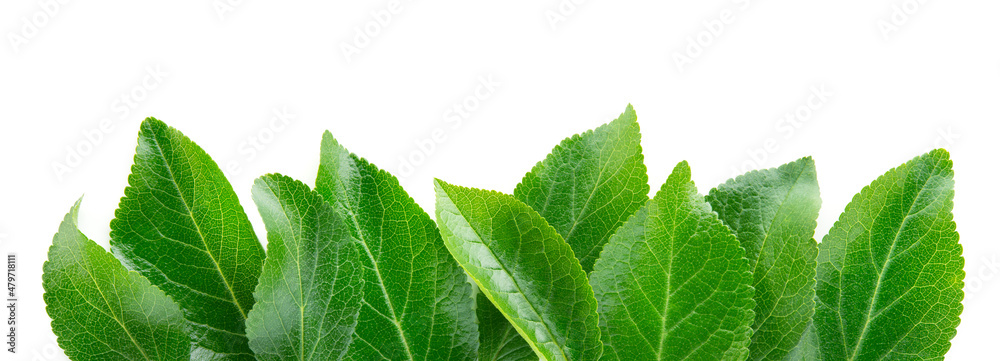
(524, 267)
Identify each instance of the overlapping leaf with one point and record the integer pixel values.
(589, 185)
(889, 281)
(101, 311)
(181, 226)
(498, 339)
(586, 188)
(309, 293)
(356, 270)
(673, 282)
(773, 213)
(524, 267)
(418, 304)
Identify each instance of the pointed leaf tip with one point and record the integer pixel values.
(641, 282)
(681, 172)
(179, 202)
(99, 308)
(896, 236)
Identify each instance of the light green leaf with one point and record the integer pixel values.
(807, 348)
(589, 185)
(418, 304)
(310, 289)
(889, 280)
(524, 267)
(498, 339)
(773, 213)
(101, 311)
(181, 226)
(673, 282)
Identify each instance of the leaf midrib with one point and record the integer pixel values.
(516, 285)
(298, 267)
(108, 304)
(667, 290)
(770, 225)
(197, 226)
(506, 333)
(378, 273)
(767, 235)
(326, 309)
(581, 216)
(885, 265)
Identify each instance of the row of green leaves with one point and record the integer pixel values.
(577, 264)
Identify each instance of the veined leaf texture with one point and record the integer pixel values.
(673, 283)
(418, 304)
(578, 263)
(181, 226)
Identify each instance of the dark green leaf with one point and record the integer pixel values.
(102, 311)
(773, 213)
(889, 280)
(181, 226)
(309, 293)
(524, 267)
(418, 304)
(498, 339)
(673, 282)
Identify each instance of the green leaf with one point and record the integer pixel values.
(585, 189)
(524, 267)
(773, 213)
(310, 289)
(498, 339)
(807, 348)
(418, 303)
(889, 280)
(673, 282)
(181, 226)
(102, 311)
(589, 185)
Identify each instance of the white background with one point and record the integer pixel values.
(931, 81)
